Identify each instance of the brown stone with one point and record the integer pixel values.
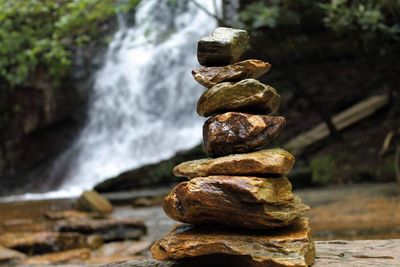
(93, 201)
(42, 242)
(250, 202)
(108, 229)
(66, 214)
(248, 95)
(224, 46)
(234, 132)
(68, 256)
(288, 246)
(251, 68)
(263, 162)
(9, 256)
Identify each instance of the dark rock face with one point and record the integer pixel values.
(210, 76)
(288, 246)
(267, 161)
(248, 95)
(108, 229)
(224, 46)
(255, 203)
(234, 132)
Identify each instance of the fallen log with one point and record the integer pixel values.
(341, 121)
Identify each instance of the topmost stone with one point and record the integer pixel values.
(224, 46)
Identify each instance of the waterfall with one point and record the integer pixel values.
(142, 106)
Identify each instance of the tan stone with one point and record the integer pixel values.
(288, 246)
(251, 68)
(248, 96)
(73, 255)
(93, 201)
(263, 162)
(258, 203)
(224, 46)
(235, 132)
(9, 256)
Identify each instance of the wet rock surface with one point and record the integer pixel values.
(42, 242)
(210, 76)
(224, 46)
(235, 132)
(289, 246)
(108, 229)
(263, 162)
(248, 96)
(233, 200)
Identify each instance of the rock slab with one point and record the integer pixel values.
(93, 201)
(289, 246)
(235, 132)
(251, 68)
(263, 162)
(250, 202)
(248, 96)
(224, 46)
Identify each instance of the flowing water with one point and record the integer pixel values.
(142, 105)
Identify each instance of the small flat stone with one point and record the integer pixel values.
(42, 242)
(250, 202)
(93, 201)
(248, 95)
(68, 256)
(108, 229)
(235, 132)
(210, 76)
(224, 46)
(263, 162)
(211, 246)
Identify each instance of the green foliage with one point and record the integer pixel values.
(372, 19)
(37, 35)
(322, 169)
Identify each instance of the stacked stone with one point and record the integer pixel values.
(238, 205)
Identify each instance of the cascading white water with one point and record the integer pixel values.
(142, 107)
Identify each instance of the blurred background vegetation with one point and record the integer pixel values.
(327, 55)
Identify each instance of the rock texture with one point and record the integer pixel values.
(289, 246)
(247, 96)
(251, 68)
(42, 242)
(93, 201)
(108, 229)
(234, 132)
(233, 200)
(263, 162)
(73, 255)
(224, 46)
(9, 256)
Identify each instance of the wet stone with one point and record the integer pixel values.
(288, 246)
(263, 162)
(224, 46)
(258, 203)
(234, 132)
(248, 96)
(210, 76)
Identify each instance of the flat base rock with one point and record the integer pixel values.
(235, 132)
(263, 162)
(210, 76)
(289, 246)
(108, 229)
(250, 202)
(248, 96)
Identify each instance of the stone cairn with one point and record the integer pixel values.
(238, 207)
